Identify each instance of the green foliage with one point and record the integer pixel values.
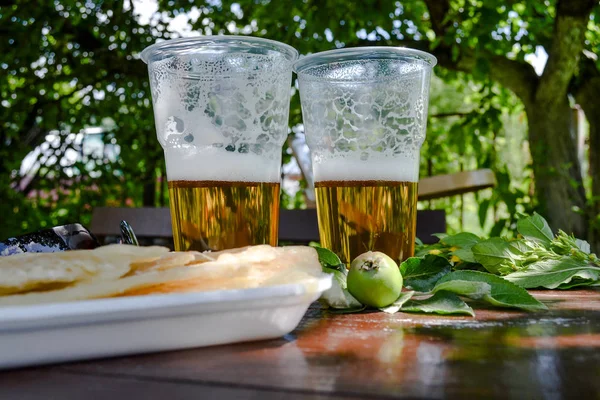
(536, 259)
(564, 272)
(329, 259)
(72, 66)
(489, 288)
(422, 274)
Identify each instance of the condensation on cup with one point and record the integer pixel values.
(365, 114)
(221, 107)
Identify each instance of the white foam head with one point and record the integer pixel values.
(194, 164)
(401, 168)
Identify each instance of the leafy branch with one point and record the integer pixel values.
(536, 258)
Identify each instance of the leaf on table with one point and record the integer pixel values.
(468, 265)
(490, 288)
(436, 248)
(421, 274)
(552, 273)
(465, 255)
(442, 302)
(520, 247)
(496, 253)
(462, 240)
(577, 282)
(338, 296)
(349, 310)
(396, 305)
(535, 228)
(329, 259)
(583, 246)
(470, 289)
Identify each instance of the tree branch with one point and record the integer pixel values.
(449, 114)
(567, 44)
(438, 11)
(517, 76)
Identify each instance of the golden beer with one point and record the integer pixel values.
(217, 215)
(358, 216)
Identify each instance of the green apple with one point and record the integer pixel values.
(374, 279)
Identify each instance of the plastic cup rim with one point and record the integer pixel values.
(355, 53)
(288, 51)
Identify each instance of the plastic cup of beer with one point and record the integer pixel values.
(365, 115)
(221, 107)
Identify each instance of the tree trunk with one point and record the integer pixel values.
(559, 186)
(587, 97)
(558, 180)
(594, 234)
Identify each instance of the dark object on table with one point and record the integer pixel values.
(59, 238)
(127, 234)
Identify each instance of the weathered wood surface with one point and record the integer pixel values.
(499, 354)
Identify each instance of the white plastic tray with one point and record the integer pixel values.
(49, 333)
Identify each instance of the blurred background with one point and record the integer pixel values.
(515, 91)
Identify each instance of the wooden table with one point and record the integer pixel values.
(498, 354)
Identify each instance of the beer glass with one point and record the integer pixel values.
(221, 106)
(365, 115)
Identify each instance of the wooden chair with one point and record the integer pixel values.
(438, 186)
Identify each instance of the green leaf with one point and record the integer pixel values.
(520, 247)
(473, 290)
(338, 296)
(329, 259)
(577, 282)
(490, 288)
(465, 255)
(462, 240)
(496, 253)
(552, 273)
(422, 251)
(442, 302)
(583, 246)
(421, 274)
(498, 227)
(396, 305)
(484, 205)
(535, 228)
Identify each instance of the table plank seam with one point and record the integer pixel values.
(337, 394)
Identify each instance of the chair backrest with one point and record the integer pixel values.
(295, 226)
(438, 186)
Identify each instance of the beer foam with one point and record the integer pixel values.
(400, 168)
(216, 164)
(222, 116)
